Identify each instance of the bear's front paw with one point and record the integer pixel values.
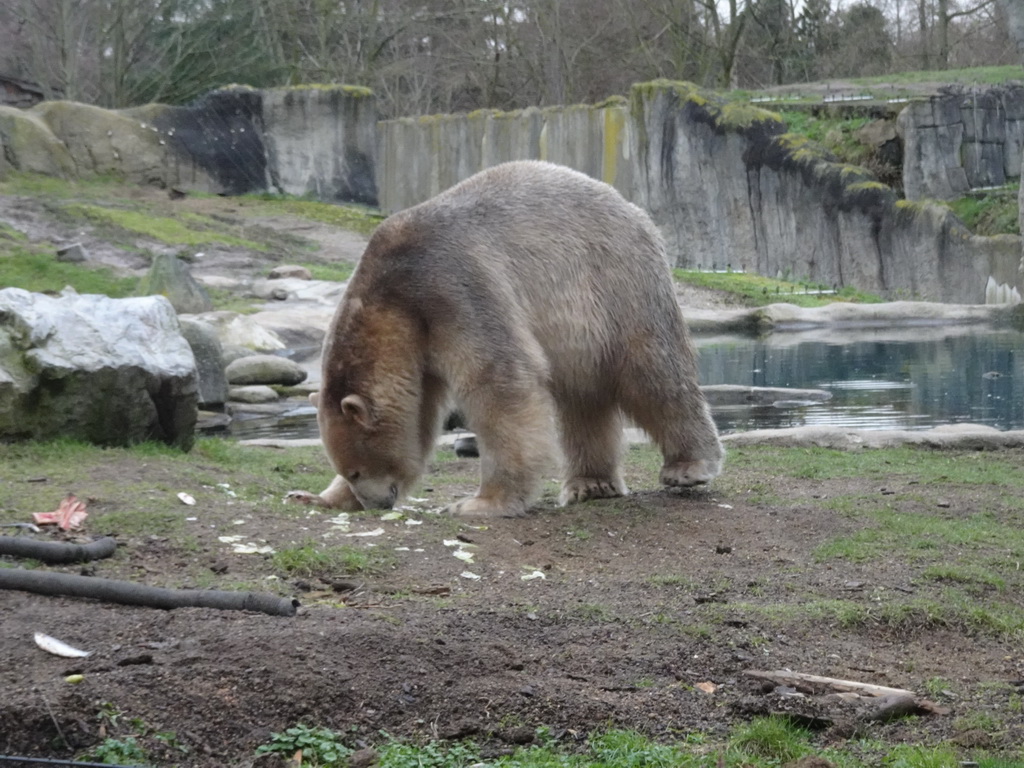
(685, 474)
(304, 497)
(586, 488)
(475, 506)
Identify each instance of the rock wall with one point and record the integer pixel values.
(727, 186)
(957, 141)
(319, 141)
(421, 156)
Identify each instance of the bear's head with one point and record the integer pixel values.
(368, 451)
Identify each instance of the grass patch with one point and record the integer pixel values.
(993, 212)
(994, 469)
(757, 290)
(30, 268)
(352, 217)
(836, 134)
(189, 229)
(314, 560)
(910, 536)
(336, 272)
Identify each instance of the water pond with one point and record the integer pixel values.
(898, 378)
(906, 378)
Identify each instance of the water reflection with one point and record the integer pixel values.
(914, 378)
(883, 379)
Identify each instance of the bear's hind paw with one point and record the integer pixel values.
(685, 474)
(585, 488)
(476, 506)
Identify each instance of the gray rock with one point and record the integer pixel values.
(72, 253)
(170, 277)
(265, 369)
(253, 393)
(232, 352)
(290, 270)
(107, 371)
(202, 338)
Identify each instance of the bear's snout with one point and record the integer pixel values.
(379, 498)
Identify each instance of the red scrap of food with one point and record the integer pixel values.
(69, 515)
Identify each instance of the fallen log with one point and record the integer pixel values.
(888, 703)
(130, 593)
(815, 683)
(57, 552)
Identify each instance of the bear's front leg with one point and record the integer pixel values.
(338, 495)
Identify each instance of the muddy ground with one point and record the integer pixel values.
(646, 612)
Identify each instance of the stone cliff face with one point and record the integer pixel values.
(729, 188)
(962, 140)
(725, 183)
(319, 141)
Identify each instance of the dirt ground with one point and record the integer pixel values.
(646, 612)
(616, 613)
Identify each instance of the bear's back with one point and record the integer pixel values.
(534, 245)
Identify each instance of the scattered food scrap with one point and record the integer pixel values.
(68, 516)
(59, 647)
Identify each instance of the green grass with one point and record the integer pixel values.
(992, 469)
(994, 212)
(766, 742)
(33, 269)
(352, 217)
(836, 134)
(757, 290)
(186, 230)
(315, 560)
(972, 75)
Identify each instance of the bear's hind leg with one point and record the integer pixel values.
(592, 443)
(672, 410)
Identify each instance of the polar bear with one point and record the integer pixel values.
(537, 301)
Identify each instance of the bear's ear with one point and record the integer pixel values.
(358, 409)
(314, 399)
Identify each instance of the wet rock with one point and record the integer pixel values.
(265, 369)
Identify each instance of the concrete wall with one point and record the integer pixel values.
(421, 156)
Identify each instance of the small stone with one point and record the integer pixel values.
(294, 271)
(72, 253)
(264, 369)
(363, 758)
(255, 393)
(466, 447)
